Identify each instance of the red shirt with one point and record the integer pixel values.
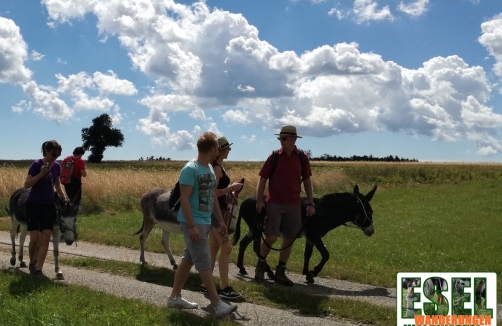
(284, 186)
(78, 165)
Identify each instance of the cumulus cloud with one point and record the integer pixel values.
(491, 38)
(13, 53)
(47, 102)
(417, 8)
(367, 10)
(204, 59)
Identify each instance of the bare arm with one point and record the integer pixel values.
(259, 194)
(83, 173)
(59, 189)
(185, 192)
(307, 184)
(32, 179)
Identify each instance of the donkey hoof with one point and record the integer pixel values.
(175, 266)
(242, 271)
(23, 264)
(310, 277)
(13, 261)
(59, 276)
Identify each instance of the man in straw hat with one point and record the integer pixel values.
(283, 201)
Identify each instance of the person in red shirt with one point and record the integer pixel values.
(78, 172)
(283, 202)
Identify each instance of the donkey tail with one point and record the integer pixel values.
(237, 233)
(140, 230)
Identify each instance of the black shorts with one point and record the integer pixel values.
(40, 216)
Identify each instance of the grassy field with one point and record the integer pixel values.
(428, 217)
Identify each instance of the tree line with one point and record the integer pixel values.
(363, 158)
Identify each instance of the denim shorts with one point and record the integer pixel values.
(197, 254)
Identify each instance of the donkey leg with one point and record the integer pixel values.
(13, 231)
(324, 255)
(307, 254)
(148, 225)
(22, 237)
(56, 233)
(243, 244)
(165, 242)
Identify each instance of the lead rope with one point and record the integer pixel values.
(235, 197)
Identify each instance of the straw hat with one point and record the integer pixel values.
(288, 131)
(223, 143)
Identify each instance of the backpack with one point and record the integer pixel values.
(67, 170)
(174, 197)
(275, 158)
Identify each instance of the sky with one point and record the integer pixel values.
(418, 79)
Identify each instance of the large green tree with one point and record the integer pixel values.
(99, 136)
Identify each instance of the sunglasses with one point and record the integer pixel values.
(282, 138)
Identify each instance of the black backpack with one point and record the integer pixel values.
(174, 197)
(275, 158)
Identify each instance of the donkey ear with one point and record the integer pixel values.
(356, 190)
(370, 194)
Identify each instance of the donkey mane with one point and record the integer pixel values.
(334, 196)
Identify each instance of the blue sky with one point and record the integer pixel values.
(417, 79)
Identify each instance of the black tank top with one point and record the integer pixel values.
(223, 183)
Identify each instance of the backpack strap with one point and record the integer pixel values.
(275, 158)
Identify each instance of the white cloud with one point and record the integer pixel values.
(417, 8)
(366, 10)
(61, 61)
(250, 139)
(491, 38)
(13, 53)
(47, 102)
(36, 56)
(21, 106)
(340, 14)
(112, 85)
(203, 59)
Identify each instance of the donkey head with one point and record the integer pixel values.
(364, 215)
(67, 217)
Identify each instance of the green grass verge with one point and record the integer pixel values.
(28, 301)
(268, 295)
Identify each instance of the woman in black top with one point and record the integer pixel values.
(216, 241)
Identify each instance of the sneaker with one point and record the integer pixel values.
(223, 309)
(181, 303)
(203, 290)
(229, 293)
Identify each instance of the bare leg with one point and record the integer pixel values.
(285, 253)
(264, 249)
(223, 261)
(33, 246)
(45, 236)
(207, 278)
(180, 277)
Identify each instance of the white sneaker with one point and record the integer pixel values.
(181, 303)
(223, 309)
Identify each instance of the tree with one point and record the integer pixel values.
(99, 136)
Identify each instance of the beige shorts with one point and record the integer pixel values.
(285, 219)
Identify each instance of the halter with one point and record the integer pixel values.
(63, 229)
(355, 226)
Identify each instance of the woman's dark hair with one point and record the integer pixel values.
(51, 145)
(79, 151)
